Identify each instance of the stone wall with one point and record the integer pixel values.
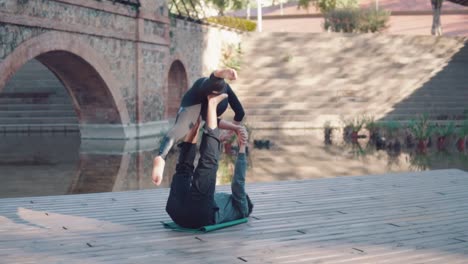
(188, 37)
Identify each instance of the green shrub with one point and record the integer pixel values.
(353, 20)
(421, 128)
(463, 129)
(232, 56)
(372, 20)
(445, 131)
(234, 22)
(342, 20)
(354, 124)
(327, 5)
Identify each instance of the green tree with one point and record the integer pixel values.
(188, 8)
(436, 24)
(223, 5)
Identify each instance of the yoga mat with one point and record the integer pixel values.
(204, 229)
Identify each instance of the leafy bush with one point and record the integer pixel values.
(421, 128)
(232, 56)
(327, 5)
(447, 130)
(354, 124)
(372, 20)
(234, 22)
(463, 129)
(371, 124)
(342, 20)
(350, 20)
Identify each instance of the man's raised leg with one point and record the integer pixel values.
(204, 177)
(180, 186)
(184, 169)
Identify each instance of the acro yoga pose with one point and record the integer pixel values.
(194, 105)
(192, 201)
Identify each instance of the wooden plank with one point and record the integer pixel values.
(397, 218)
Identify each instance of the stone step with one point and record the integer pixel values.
(315, 99)
(38, 120)
(39, 128)
(431, 116)
(281, 118)
(35, 107)
(441, 86)
(280, 37)
(33, 81)
(395, 114)
(307, 125)
(275, 112)
(435, 98)
(444, 110)
(35, 100)
(300, 80)
(355, 66)
(26, 95)
(416, 103)
(365, 73)
(293, 86)
(42, 87)
(289, 52)
(286, 125)
(373, 94)
(336, 109)
(349, 63)
(361, 76)
(38, 113)
(274, 58)
(346, 41)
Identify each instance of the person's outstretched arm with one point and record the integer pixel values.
(231, 126)
(235, 105)
(239, 195)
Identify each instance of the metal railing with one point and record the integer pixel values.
(190, 10)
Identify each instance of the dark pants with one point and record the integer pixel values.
(191, 200)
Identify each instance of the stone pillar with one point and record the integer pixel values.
(152, 53)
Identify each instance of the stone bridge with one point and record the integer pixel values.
(124, 69)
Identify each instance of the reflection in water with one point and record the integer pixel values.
(54, 164)
(98, 171)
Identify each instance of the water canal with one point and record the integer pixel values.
(57, 164)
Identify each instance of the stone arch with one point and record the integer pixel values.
(94, 91)
(177, 86)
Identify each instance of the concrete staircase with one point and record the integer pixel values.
(301, 80)
(35, 100)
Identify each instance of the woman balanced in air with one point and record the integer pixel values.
(194, 105)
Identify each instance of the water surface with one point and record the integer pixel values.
(56, 164)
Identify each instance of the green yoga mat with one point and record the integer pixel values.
(204, 229)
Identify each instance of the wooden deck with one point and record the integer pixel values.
(399, 218)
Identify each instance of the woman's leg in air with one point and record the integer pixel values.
(186, 119)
